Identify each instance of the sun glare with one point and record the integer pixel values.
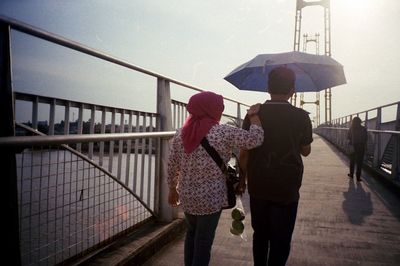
(361, 11)
(359, 6)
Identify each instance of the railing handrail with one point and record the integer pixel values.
(68, 139)
(24, 96)
(48, 36)
(369, 110)
(369, 130)
(372, 109)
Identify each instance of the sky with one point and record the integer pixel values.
(200, 42)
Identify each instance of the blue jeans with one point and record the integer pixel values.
(199, 238)
(273, 226)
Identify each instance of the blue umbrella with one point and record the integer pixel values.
(313, 72)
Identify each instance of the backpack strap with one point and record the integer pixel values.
(214, 154)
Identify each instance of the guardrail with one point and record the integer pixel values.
(86, 183)
(383, 148)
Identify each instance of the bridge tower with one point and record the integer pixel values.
(327, 41)
(306, 40)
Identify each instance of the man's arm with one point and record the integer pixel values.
(243, 159)
(250, 118)
(305, 143)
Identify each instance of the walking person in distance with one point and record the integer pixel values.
(357, 138)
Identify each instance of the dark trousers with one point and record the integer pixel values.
(199, 238)
(356, 158)
(273, 226)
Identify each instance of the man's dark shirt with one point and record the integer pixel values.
(275, 169)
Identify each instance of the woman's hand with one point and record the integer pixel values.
(252, 114)
(173, 197)
(254, 109)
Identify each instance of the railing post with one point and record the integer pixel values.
(396, 158)
(80, 126)
(35, 107)
(377, 144)
(7, 155)
(166, 213)
(365, 159)
(52, 117)
(396, 148)
(66, 118)
(238, 116)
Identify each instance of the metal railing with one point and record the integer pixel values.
(68, 203)
(383, 145)
(88, 181)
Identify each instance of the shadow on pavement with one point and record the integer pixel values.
(388, 197)
(357, 203)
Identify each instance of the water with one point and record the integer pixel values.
(67, 205)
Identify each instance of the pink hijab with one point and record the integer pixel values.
(205, 110)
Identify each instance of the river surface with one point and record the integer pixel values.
(68, 205)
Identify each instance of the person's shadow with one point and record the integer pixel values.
(357, 203)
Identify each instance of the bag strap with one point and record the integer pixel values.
(214, 154)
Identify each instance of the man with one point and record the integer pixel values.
(274, 170)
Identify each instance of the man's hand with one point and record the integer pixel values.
(173, 197)
(305, 150)
(241, 187)
(243, 158)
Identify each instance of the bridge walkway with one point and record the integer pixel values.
(340, 221)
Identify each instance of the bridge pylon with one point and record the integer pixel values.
(327, 46)
(306, 40)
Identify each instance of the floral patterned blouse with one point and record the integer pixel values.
(200, 182)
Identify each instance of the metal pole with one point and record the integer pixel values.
(327, 35)
(396, 149)
(164, 110)
(7, 156)
(377, 142)
(296, 43)
(238, 116)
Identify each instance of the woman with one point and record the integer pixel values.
(357, 138)
(194, 179)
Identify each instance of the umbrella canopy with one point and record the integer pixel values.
(313, 72)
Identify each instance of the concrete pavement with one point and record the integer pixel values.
(340, 221)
